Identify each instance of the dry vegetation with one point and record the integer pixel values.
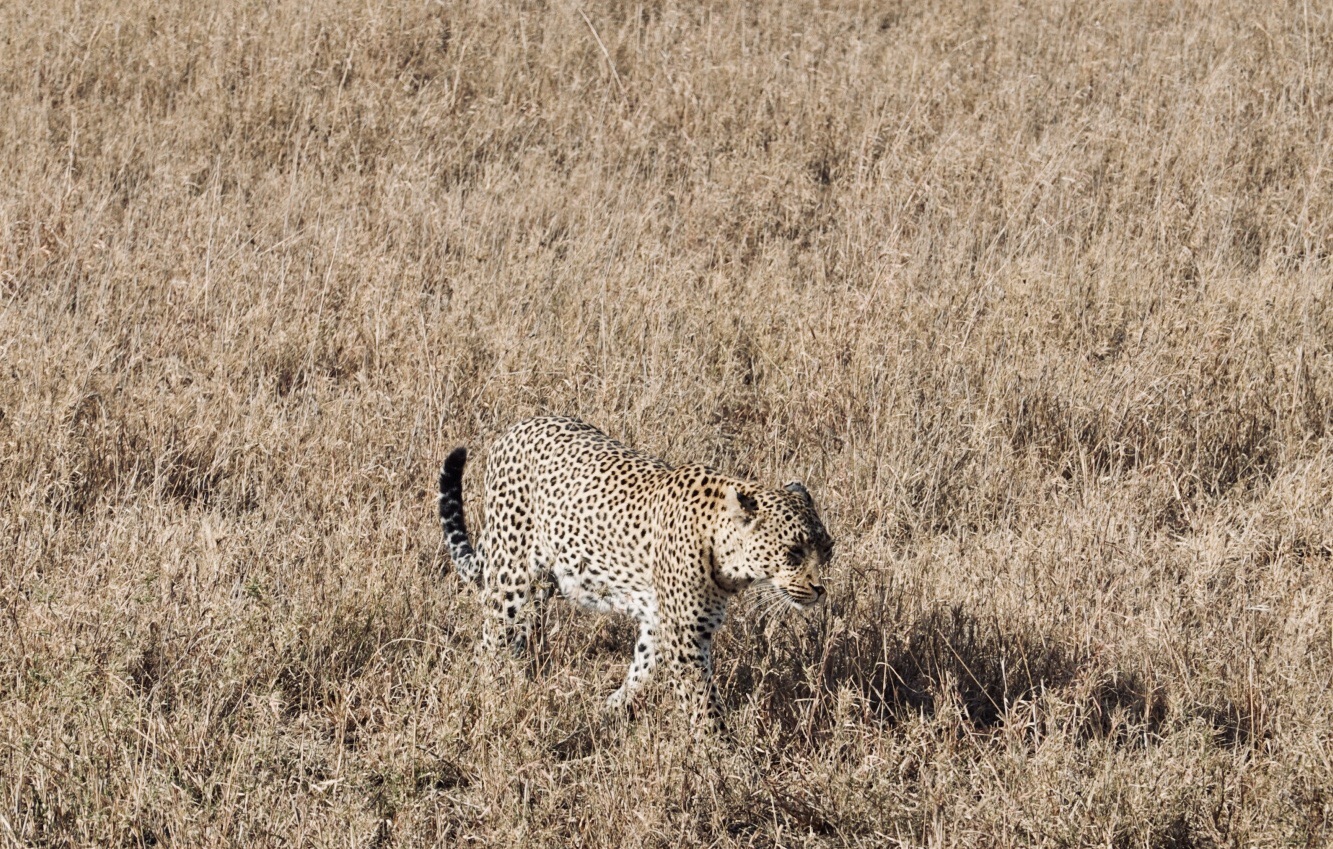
(1035, 296)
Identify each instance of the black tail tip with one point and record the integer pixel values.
(453, 465)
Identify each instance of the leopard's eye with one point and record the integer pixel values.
(796, 555)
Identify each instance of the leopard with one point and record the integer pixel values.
(612, 529)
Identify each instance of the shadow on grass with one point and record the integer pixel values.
(896, 665)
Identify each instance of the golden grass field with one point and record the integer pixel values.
(1036, 297)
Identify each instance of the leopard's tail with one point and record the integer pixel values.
(465, 558)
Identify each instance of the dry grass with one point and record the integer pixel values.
(1036, 298)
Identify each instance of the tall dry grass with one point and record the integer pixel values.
(1035, 297)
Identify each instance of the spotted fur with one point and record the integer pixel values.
(616, 530)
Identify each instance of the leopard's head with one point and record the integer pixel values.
(773, 540)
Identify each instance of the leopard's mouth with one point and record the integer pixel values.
(775, 593)
(804, 598)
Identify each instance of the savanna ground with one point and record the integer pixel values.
(1034, 296)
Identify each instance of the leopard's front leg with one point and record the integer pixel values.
(646, 651)
(688, 648)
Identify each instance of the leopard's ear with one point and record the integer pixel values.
(741, 506)
(799, 488)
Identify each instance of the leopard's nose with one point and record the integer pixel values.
(818, 591)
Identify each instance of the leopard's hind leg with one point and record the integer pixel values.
(508, 573)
